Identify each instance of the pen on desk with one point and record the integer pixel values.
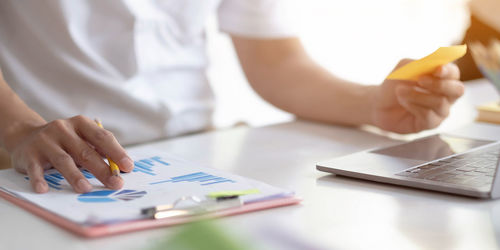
(112, 165)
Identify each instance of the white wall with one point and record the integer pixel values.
(376, 34)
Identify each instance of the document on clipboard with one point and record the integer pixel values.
(162, 190)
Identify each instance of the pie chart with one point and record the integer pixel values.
(111, 196)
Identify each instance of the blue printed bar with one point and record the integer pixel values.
(158, 159)
(188, 177)
(215, 179)
(95, 200)
(206, 178)
(51, 180)
(54, 186)
(143, 167)
(87, 174)
(147, 161)
(147, 165)
(226, 180)
(159, 182)
(196, 177)
(54, 179)
(57, 175)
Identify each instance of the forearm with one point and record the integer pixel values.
(16, 115)
(296, 84)
(282, 73)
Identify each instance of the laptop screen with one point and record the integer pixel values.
(432, 147)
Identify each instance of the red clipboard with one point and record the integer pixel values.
(136, 225)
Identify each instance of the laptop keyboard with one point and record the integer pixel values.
(474, 169)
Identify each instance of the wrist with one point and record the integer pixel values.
(14, 133)
(370, 94)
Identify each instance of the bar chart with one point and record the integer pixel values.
(147, 165)
(203, 178)
(54, 179)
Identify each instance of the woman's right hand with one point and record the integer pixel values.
(65, 145)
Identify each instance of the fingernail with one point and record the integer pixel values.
(126, 163)
(84, 186)
(40, 187)
(115, 182)
(424, 80)
(443, 71)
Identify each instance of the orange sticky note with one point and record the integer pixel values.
(426, 65)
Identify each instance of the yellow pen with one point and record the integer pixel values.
(112, 165)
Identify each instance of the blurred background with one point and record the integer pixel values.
(359, 40)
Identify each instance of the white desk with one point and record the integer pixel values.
(337, 212)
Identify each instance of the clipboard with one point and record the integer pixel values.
(143, 224)
(107, 212)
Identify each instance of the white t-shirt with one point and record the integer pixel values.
(137, 65)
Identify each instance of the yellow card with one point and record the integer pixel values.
(426, 65)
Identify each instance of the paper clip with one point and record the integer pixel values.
(200, 207)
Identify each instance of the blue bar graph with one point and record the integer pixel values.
(203, 178)
(147, 166)
(54, 179)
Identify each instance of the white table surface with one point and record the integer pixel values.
(337, 212)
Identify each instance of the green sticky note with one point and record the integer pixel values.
(233, 193)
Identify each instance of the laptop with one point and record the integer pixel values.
(440, 162)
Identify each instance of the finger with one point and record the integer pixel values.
(27, 163)
(63, 162)
(104, 142)
(424, 118)
(452, 89)
(439, 104)
(97, 150)
(447, 71)
(87, 157)
(36, 174)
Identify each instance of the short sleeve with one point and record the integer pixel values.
(258, 18)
